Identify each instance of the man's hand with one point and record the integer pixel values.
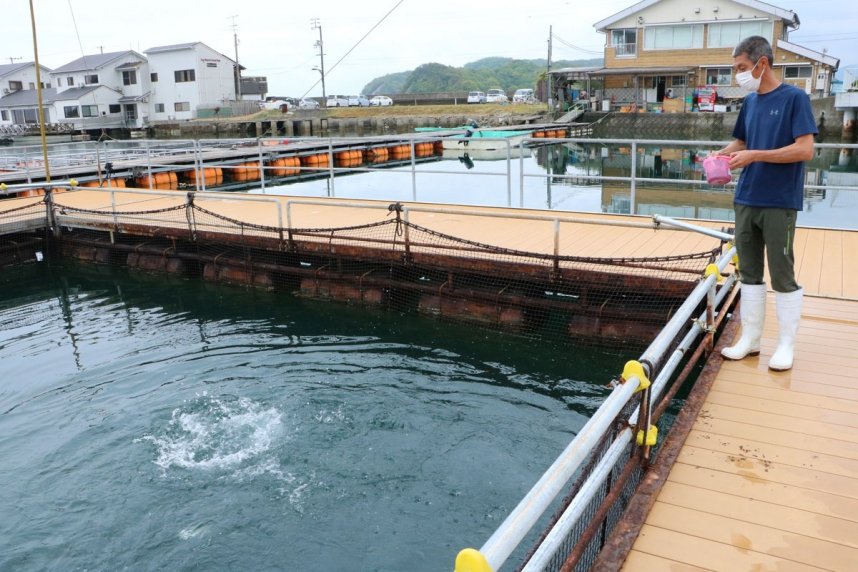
(741, 159)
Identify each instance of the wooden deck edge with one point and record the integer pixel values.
(622, 538)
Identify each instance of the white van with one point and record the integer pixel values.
(337, 101)
(523, 96)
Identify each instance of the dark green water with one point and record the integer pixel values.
(148, 423)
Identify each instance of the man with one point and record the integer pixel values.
(772, 138)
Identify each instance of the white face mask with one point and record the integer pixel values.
(747, 81)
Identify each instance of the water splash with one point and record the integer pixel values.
(218, 433)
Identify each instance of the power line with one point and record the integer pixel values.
(574, 47)
(376, 25)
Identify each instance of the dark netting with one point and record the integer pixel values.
(618, 303)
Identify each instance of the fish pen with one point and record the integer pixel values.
(388, 258)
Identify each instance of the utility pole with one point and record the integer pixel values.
(548, 74)
(237, 65)
(316, 24)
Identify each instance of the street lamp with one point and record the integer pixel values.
(324, 95)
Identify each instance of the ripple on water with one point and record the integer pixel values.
(224, 433)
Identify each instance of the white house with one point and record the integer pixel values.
(125, 73)
(21, 107)
(22, 76)
(91, 107)
(185, 77)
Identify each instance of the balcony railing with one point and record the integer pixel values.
(625, 50)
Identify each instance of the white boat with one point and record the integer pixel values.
(486, 139)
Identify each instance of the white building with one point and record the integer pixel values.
(122, 89)
(18, 92)
(17, 77)
(125, 74)
(186, 77)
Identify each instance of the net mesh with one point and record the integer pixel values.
(616, 302)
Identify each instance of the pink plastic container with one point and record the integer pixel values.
(717, 168)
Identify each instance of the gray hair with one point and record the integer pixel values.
(754, 47)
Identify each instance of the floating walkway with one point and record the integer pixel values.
(221, 165)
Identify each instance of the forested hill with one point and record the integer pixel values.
(487, 73)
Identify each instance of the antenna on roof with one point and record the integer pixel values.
(100, 49)
(12, 60)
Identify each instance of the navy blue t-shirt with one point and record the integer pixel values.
(771, 121)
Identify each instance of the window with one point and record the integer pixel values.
(719, 76)
(153, 77)
(673, 37)
(89, 110)
(798, 72)
(131, 112)
(21, 116)
(90, 79)
(16, 86)
(728, 34)
(33, 86)
(182, 106)
(624, 41)
(159, 108)
(4, 115)
(129, 77)
(70, 111)
(211, 65)
(46, 86)
(678, 80)
(114, 108)
(70, 81)
(185, 75)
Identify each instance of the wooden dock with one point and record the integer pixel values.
(767, 478)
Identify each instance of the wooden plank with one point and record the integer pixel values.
(792, 410)
(718, 556)
(850, 271)
(777, 436)
(831, 276)
(777, 394)
(786, 384)
(775, 493)
(759, 472)
(844, 434)
(801, 378)
(779, 542)
(766, 515)
(809, 270)
(638, 561)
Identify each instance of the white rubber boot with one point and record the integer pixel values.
(753, 315)
(789, 314)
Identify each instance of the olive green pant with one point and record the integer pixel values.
(766, 233)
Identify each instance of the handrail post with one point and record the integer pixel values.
(633, 182)
(261, 165)
(413, 172)
(148, 163)
(521, 174)
(557, 245)
(113, 209)
(331, 165)
(508, 172)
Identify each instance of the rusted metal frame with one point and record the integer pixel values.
(705, 345)
(614, 553)
(597, 521)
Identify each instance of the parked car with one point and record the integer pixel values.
(308, 104)
(358, 101)
(476, 97)
(523, 96)
(496, 96)
(337, 101)
(380, 101)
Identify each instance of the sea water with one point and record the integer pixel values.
(155, 423)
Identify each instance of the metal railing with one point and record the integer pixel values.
(509, 535)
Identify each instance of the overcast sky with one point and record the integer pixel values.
(276, 39)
